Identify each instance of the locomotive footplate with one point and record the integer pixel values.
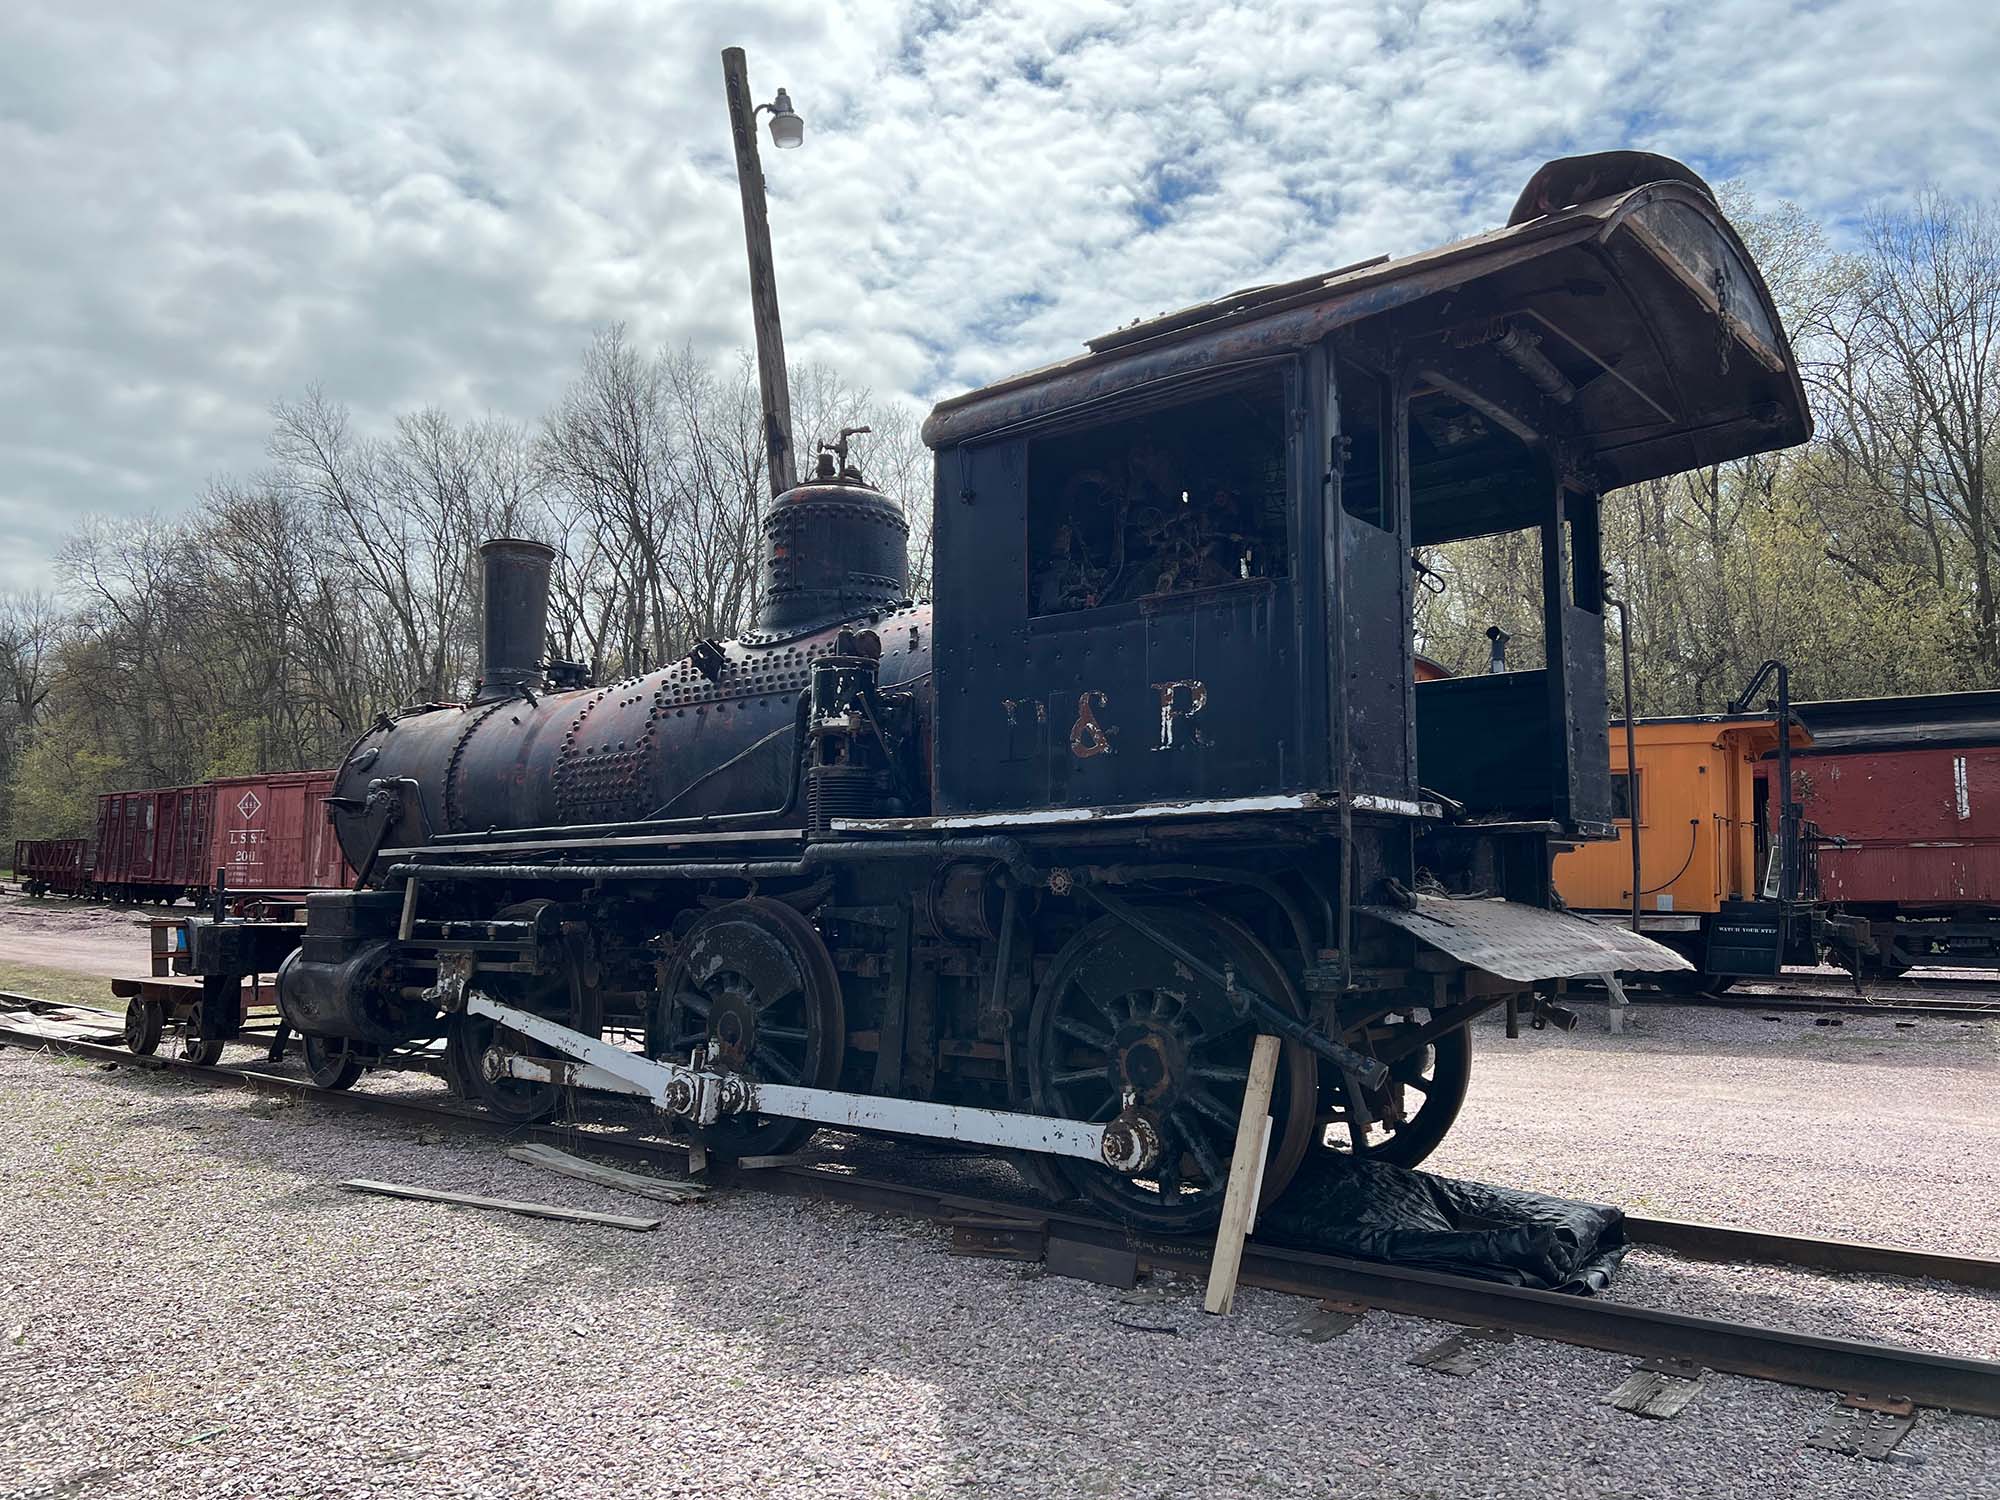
(1129, 1143)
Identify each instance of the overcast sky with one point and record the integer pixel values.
(209, 204)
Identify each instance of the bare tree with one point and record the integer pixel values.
(33, 626)
(1931, 318)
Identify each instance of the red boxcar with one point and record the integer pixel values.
(1906, 792)
(272, 833)
(153, 844)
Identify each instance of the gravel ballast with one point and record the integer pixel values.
(189, 1304)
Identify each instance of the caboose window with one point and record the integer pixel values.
(1621, 795)
(1180, 498)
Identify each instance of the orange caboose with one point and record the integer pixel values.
(1705, 884)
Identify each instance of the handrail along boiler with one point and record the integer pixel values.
(1031, 866)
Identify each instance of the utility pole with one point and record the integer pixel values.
(771, 378)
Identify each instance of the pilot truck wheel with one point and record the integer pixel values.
(333, 1062)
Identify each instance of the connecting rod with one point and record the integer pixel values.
(1127, 1144)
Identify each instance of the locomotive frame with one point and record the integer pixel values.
(1033, 866)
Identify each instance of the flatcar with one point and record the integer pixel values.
(1034, 866)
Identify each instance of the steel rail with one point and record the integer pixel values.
(1810, 1360)
(1845, 1001)
(1955, 978)
(1846, 1004)
(1936, 1380)
(1723, 1242)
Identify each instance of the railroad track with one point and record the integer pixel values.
(1954, 999)
(1848, 1366)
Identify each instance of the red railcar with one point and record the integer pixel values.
(61, 866)
(272, 834)
(1906, 793)
(153, 844)
(268, 832)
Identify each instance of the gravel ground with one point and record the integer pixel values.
(188, 1303)
(1866, 1130)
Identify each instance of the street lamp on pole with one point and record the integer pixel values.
(787, 131)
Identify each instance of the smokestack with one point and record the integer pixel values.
(517, 615)
(1499, 638)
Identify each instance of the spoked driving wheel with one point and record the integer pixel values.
(468, 1039)
(754, 990)
(1411, 1111)
(1118, 1018)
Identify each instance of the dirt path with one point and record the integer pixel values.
(79, 936)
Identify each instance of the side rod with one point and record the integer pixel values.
(706, 1096)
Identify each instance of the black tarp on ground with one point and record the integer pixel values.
(1373, 1211)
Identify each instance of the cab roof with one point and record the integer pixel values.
(1666, 350)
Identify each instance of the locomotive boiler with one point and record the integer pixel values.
(1033, 865)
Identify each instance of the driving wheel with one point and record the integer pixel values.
(753, 990)
(468, 1038)
(1119, 1018)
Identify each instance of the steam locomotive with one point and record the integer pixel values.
(1032, 866)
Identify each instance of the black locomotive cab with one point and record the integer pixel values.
(1184, 557)
(1035, 866)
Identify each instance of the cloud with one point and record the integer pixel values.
(209, 207)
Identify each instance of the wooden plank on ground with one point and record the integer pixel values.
(550, 1159)
(60, 1028)
(504, 1205)
(1659, 1388)
(1465, 1352)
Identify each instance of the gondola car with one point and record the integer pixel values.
(1033, 866)
(59, 867)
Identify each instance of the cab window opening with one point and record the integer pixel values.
(1483, 582)
(1361, 446)
(1180, 498)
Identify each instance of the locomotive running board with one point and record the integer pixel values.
(1126, 1144)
